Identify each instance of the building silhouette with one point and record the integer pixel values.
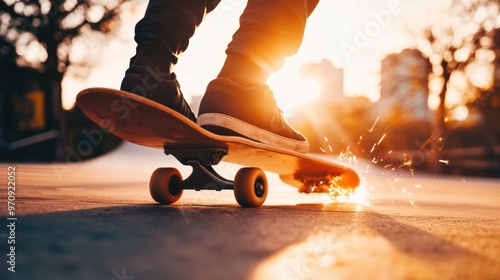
(404, 86)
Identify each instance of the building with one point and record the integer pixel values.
(404, 86)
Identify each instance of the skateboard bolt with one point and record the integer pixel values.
(215, 158)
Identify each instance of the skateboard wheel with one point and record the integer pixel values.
(163, 185)
(250, 187)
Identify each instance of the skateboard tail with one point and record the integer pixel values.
(347, 181)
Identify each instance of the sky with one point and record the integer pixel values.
(355, 35)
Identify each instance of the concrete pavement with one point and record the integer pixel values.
(96, 220)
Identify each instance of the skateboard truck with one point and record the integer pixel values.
(206, 156)
(203, 175)
(166, 185)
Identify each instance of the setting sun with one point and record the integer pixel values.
(291, 90)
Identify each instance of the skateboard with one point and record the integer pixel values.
(142, 121)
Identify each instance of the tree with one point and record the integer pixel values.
(50, 29)
(460, 44)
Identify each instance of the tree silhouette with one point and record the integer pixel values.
(461, 43)
(49, 28)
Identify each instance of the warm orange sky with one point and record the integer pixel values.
(354, 35)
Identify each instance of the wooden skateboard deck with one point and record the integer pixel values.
(145, 122)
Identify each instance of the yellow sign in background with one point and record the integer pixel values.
(30, 110)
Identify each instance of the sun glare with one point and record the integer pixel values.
(291, 90)
(333, 25)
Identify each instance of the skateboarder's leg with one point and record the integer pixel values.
(269, 32)
(167, 26)
(161, 35)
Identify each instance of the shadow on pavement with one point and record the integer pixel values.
(192, 242)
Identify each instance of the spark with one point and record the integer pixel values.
(412, 202)
(322, 150)
(418, 186)
(381, 139)
(336, 191)
(330, 147)
(347, 155)
(373, 148)
(428, 141)
(447, 161)
(326, 139)
(389, 152)
(359, 196)
(406, 162)
(374, 124)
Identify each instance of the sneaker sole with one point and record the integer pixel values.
(252, 132)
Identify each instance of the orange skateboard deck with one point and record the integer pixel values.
(142, 121)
